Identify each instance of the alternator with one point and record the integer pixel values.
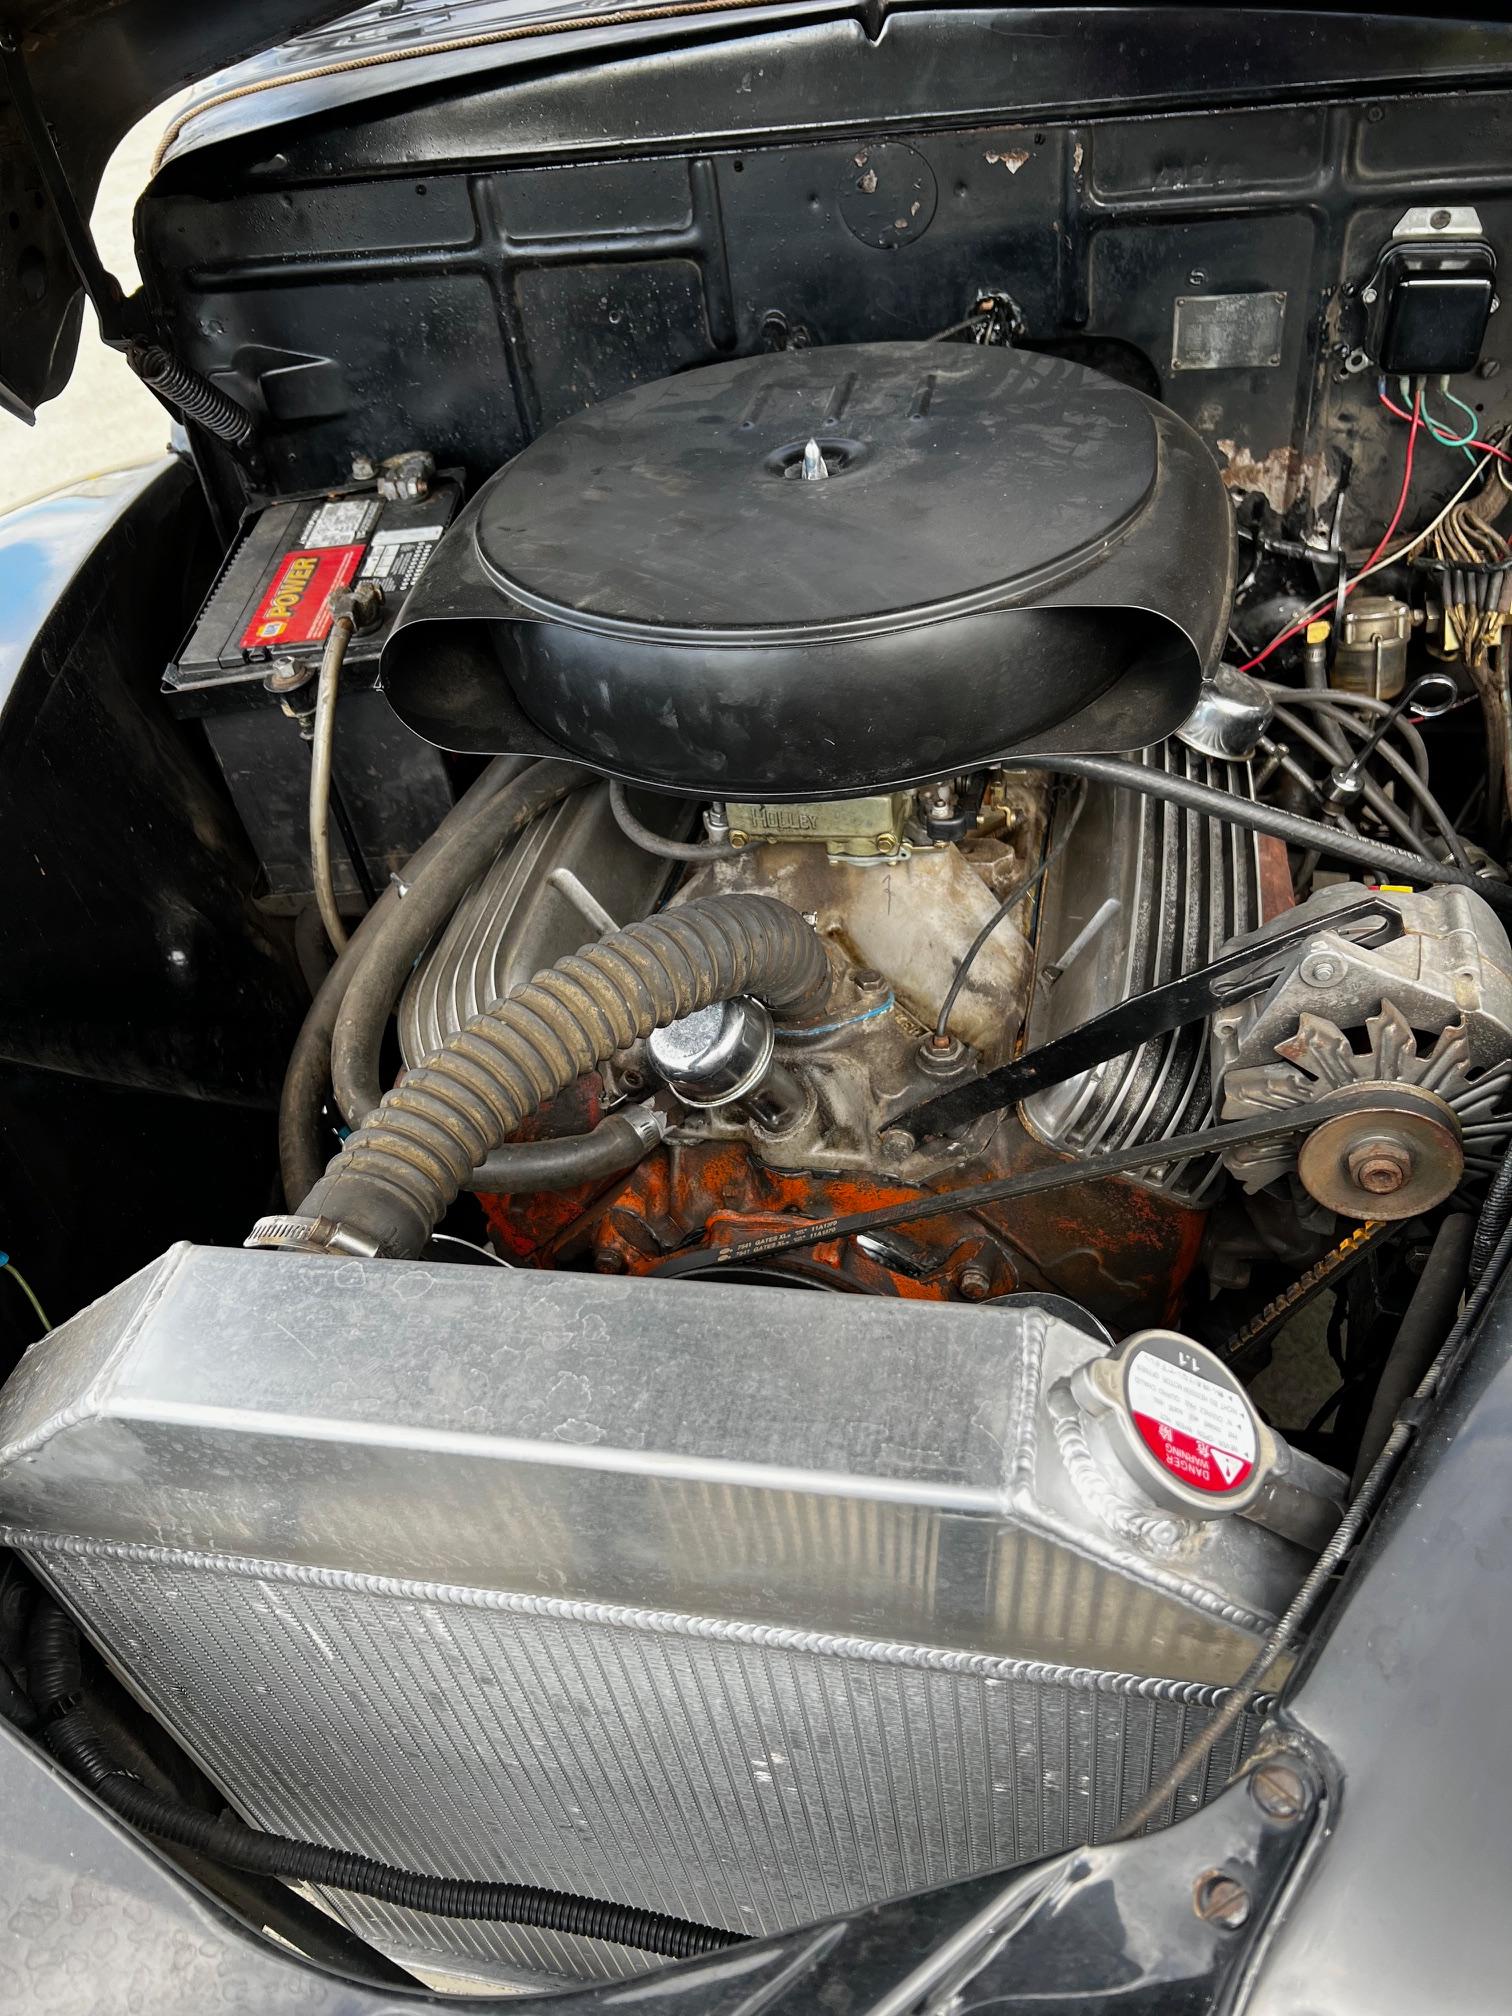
(1417, 1032)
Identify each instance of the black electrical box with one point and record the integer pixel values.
(248, 671)
(1433, 302)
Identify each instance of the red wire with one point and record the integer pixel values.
(1416, 417)
(1480, 447)
(1389, 534)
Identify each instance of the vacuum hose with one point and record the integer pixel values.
(388, 1188)
(656, 843)
(563, 1162)
(76, 1743)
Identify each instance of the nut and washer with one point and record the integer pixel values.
(289, 674)
(975, 1282)
(1380, 1166)
(1320, 969)
(943, 1057)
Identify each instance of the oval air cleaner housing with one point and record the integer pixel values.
(828, 571)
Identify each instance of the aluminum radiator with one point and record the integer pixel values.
(739, 1604)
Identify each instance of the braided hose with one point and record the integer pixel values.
(388, 1188)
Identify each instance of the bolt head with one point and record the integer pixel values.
(289, 674)
(1379, 1167)
(975, 1282)
(896, 1143)
(1440, 220)
(1277, 1789)
(887, 843)
(1220, 1899)
(1319, 971)
(739, 839)
(1368, 295)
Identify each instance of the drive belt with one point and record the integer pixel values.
(1239, 971)
(1032, 1183)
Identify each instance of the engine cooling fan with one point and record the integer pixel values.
(1417, 1124)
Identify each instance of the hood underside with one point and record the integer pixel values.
(92, 68)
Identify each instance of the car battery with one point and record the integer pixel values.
(248, 670)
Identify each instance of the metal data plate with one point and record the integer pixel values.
(1227, 332)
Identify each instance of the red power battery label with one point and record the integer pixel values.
(1196, 1427)
(296, 608)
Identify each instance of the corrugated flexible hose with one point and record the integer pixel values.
(389, 1187)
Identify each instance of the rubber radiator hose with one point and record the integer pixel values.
(77, 1744)
(390, 1185)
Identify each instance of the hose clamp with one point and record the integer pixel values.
(648, 1122)
(292, 1234)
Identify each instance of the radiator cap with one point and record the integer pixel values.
(1179, 1423)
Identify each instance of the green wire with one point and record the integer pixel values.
(1469, 412)
(8, 1266)
(1436, 427)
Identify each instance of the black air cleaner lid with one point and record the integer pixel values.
(954, 476)
(828, 571)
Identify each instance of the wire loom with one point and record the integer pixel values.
(74, 1741)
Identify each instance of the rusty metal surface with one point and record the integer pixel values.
(1116, 1247)
(1277, 893)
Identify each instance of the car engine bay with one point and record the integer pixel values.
(811, 934)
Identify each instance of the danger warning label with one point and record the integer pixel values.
(296, 607)
(1195, 1425)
